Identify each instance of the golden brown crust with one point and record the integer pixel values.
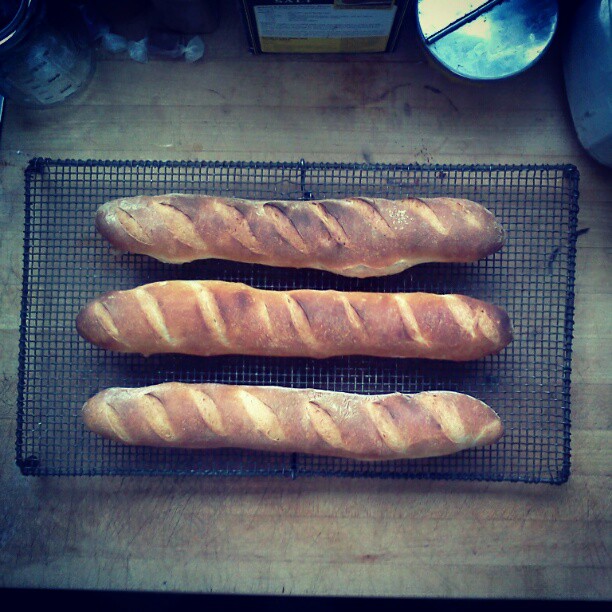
(352, 236)
(217, 318)
(376, 427)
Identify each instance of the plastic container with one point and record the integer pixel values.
(588, 77)
(45, 53)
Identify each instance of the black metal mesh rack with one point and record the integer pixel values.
(66, 263)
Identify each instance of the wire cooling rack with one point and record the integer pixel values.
(66, 264)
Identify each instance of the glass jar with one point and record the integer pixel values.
(46, 54)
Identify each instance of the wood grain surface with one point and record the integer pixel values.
(314, 536)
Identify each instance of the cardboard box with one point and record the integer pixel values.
(323, 26)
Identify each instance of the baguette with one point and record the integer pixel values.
(220, 318)
(376, 427)
(354, 236)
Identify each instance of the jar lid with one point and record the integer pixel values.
(12, 16)
(487, 40)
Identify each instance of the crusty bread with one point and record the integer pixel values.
(217, 318)
(376, 427)
(354, 236)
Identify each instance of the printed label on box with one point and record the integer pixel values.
(315, 28)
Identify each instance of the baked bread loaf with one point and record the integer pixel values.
(376, 427)
(220, 318)
(354, 236)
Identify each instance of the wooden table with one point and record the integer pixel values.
(314, 536)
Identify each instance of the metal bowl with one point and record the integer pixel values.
(485, 41)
